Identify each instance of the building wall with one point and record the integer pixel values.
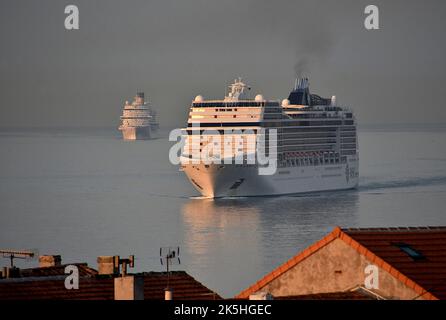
(334, 267)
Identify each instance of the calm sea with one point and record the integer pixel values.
(84, 193)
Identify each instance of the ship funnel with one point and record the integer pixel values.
(140, 95)
(301, 83)
(139, 99)
(301, 93)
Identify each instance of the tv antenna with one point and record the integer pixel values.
(169, 256)
(18, 254)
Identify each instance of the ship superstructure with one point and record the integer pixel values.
(139, 119)
(317, 147)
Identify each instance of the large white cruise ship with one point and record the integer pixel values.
(317, 147)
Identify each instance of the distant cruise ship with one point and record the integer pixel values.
(138, 120)
(317, 147)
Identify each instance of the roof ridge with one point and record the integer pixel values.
(290, 263)
(58, 277)
(378, 261)
(78, 264)
(362, 250)
(395, 229)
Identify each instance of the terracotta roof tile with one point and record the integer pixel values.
(99, 287)
(184, 287)
(428, 272)
(54, 289)
(379, 245)
(289, 264)
(84, 270)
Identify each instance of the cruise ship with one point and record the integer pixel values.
(317, 146)
(138, 120)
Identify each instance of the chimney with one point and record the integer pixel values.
(168, 294)
(129, 287)
(106, 265)
(50, 261)
(8, 272)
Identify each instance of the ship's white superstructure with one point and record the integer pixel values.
(317, 147)
(138, 120)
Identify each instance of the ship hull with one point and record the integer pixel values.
(138, 133)
(223, 180)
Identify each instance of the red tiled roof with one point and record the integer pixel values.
(99, 287)
(184, 287)
(428, 272)
(84, 271)
(426, 276)
(53, 288)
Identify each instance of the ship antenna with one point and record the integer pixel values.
(295, 84)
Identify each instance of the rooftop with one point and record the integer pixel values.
(415, 256)
(48, 283)
(345, 295)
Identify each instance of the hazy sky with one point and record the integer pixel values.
(174, 50)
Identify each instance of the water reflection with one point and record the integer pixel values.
(210, 221)
(241, 239)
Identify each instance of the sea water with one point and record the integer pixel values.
(82, 193)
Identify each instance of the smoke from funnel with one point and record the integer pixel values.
(301, 67)
(313, 50)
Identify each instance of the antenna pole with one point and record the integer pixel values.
(168, 274)
(169, 256)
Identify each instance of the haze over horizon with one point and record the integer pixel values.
(175, 50)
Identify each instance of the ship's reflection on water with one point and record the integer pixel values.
(241, 239)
